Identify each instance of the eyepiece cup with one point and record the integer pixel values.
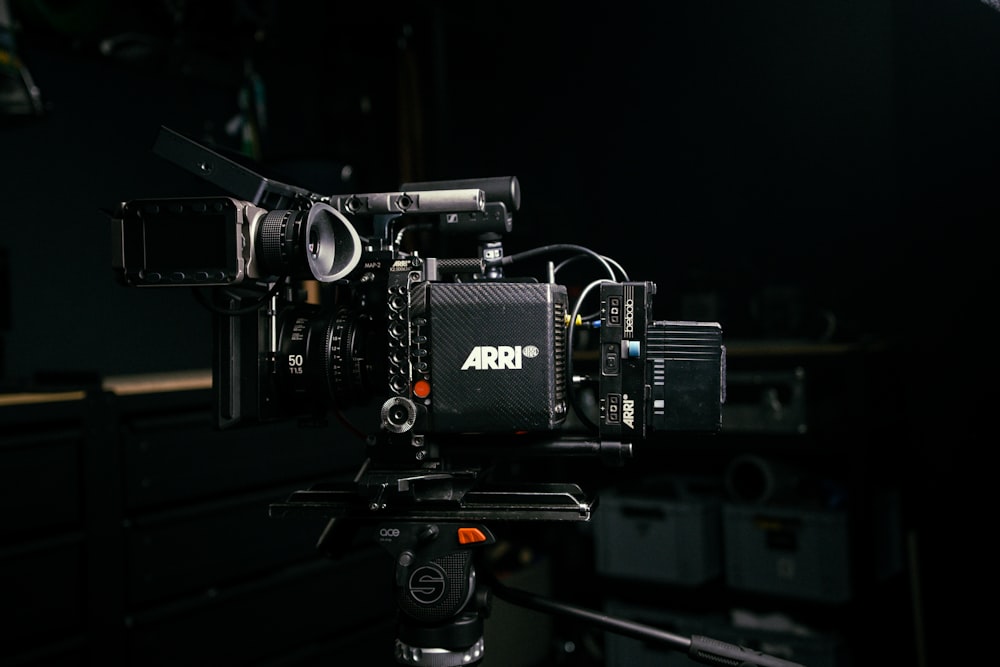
(333, 247)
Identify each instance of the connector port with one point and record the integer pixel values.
(613, 409)
(615, 310)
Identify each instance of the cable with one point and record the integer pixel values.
(698, 648)
(573, 396)
(617, 625)
(244, 310)
(541, 250)
(621, 269)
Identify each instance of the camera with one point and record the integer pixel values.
(444, 362)
(333, 304)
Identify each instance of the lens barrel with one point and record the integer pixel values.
(326, 357)
(316, 243)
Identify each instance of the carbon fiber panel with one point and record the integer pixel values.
(497, 356)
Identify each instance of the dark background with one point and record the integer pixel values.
(712, 148)
(843, 152)
(774, 166)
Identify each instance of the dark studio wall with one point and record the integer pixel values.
(754, 154)
(93, 149)
(808, 171)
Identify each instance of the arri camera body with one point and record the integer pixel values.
(452, 361)
(445, 365)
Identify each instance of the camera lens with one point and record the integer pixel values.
(325, 357)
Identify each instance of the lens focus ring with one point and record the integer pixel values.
(273, 242)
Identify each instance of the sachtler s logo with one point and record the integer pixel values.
(501, 357)
(428, 583)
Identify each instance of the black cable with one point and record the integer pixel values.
(698, 648)
(244, 310)
(543, 250)
(617, 625)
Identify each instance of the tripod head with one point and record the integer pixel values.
(441, 609)
(433, 526)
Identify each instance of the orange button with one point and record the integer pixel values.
(470, 535)
(421, 388)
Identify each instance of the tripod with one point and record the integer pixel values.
(442, 597)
